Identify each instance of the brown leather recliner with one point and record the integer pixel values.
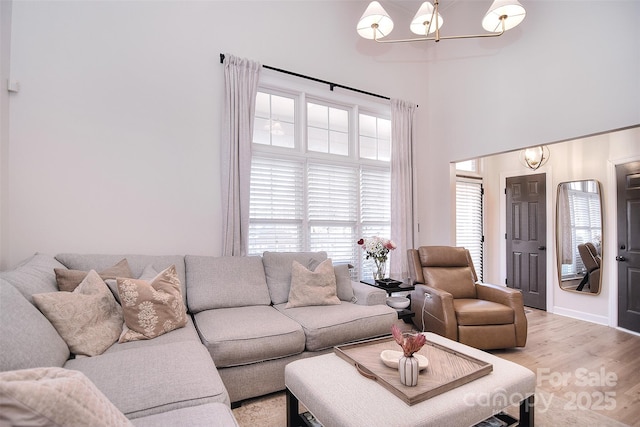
(592, 262)
(448, 301)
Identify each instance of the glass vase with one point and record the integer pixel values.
(380, 270)
(408, 369)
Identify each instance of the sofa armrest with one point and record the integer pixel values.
(434, 308)
(511, 298)
(368, 295)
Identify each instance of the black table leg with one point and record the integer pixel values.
(293, 417)
(526, 412)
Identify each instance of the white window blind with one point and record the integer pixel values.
(584, 205)
(469, 223)
(318, 193)
(276, 210)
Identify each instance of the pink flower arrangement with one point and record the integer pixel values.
(410, 343)
(377, 248)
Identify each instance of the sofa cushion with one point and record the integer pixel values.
(152, 308)
(88, 319)
(219, 282)
(316, 287)
(480, 312)
(277, 268)
(33, 341)
(207, 415)
(137, 263)
(55, 397)
(68, 280)
(153, 379)
(34, 275)
(187, 333)
(326, 326)
(243, 335)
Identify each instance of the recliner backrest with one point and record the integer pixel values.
(588, 254)
(450, 269)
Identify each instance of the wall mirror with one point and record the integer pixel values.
(579, 236)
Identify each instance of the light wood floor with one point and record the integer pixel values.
(579, 365)
(587, 365)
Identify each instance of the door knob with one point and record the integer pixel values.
(620, 258)
(542, 248)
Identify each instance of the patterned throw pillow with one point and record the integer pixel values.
(151, 308)
(316, 287)
(54, 397)
(88, 319)
(68, 280)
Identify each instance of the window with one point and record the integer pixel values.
(469, 228)
(320, 174)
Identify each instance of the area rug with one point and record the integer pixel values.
(551, 411)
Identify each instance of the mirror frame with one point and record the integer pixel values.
(559, 234)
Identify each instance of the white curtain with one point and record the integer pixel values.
(402, 114)
(564, 225)
(241, 84)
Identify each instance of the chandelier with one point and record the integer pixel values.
(376, 23)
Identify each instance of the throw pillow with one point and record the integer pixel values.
(54, 397)
(277, 269)
(152, 308)
(88, 319)
(343, 283)
(316, 287)
(68, 280)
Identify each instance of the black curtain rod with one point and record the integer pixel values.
(331, 85)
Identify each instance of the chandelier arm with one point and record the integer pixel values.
(438, 37)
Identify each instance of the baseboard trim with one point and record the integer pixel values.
(581, 315)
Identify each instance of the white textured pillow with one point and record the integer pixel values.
(316, 287)
(88, 319)
(54, 397)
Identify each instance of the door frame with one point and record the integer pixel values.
(550, 235)
(611, 239)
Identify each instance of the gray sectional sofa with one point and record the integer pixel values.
(239, 335)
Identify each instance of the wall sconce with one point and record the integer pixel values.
(376, 23)
(534, 157)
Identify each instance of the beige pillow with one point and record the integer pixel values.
(152, 308)
(316, 287)
(88, 319)
(68, 280)
(54, 397)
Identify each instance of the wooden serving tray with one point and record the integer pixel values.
(447, 368)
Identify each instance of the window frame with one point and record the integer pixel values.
(302, 93)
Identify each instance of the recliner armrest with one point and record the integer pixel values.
(511, 298)
(436, 310)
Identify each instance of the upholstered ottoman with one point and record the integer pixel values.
(337, 395)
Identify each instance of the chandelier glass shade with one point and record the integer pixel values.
(376, 24)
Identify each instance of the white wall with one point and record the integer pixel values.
(114, 136)
(580, 159)
(559, 75)
(5, 49)
(115, 133)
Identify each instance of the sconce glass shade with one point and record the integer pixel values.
(513, 11)
(420, 22)
(374, 15)
(535, 157)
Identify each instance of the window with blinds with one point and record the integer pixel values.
(469, 222)
(319, 179)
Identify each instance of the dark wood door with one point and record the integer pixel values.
(527, 238)
(628, 250)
